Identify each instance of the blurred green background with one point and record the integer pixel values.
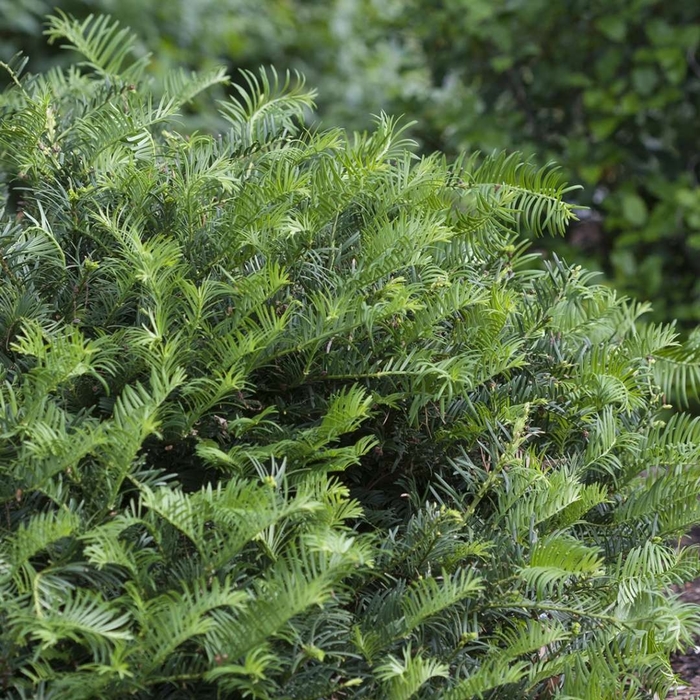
(609, 89)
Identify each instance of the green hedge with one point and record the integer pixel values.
(294, 414)
(609, 89)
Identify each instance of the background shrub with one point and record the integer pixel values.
(294, 414)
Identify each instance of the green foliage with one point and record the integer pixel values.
(609, 89)
(289, 413)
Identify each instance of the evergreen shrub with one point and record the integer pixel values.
(294, 414)
(610, 90)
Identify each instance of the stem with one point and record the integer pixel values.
(563, 609)
(8, 271)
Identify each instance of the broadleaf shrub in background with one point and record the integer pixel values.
(290, 413)
(609, 89)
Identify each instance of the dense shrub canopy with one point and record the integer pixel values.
(293, 414)
(611, 90)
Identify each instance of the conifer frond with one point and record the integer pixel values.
(34, 536)
(100, 40)
(182, 87)
(534, 196)
(267, 107)
(498, 673)
(677, 371)
(84, 618)
(556, 561)
(126, 125)
(15, 67)
(542, 636)
(403, 678)
(428, 597)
